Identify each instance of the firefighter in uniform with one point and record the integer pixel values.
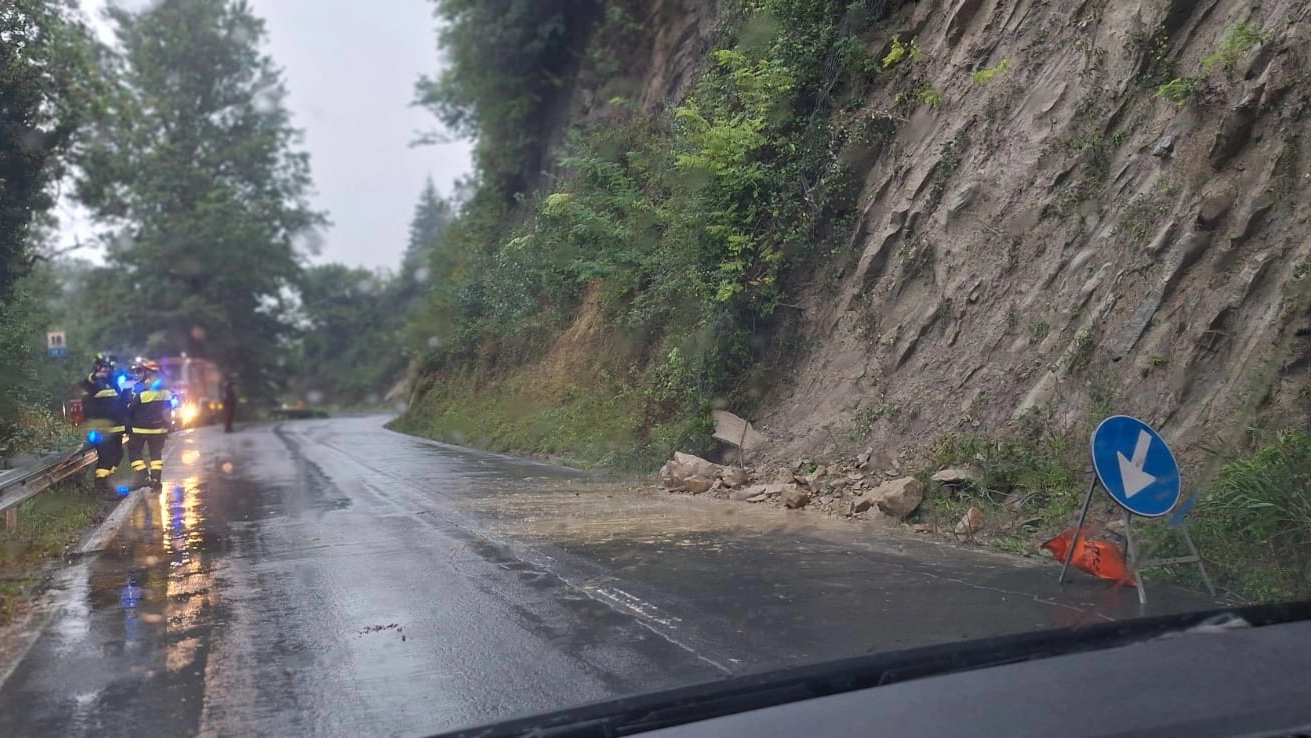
(106, 408)
(148, 422)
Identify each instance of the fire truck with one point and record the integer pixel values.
(197, 389)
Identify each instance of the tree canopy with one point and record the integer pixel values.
(48, 89)
(200, 175)
(508, 61)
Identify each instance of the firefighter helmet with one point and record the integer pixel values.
(104, 360)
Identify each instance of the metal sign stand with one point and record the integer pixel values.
(1078, 527)
(1131, 553)
(1193, 557)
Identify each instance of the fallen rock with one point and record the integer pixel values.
(794, 497)
(696, 466)
(956, 476)
(899, 497)
(763, 491)
(736, 431)
(675, 473)
(698, 485)
(922, 528)
(862, 504)
(747, 493)
(970, 523)
(735, 476)
(862, 459)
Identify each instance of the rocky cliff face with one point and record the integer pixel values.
(1067, 210)
(1083, 208)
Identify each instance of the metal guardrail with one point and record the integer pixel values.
(18, 488)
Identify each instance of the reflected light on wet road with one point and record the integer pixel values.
(332, 578)
(131, 629)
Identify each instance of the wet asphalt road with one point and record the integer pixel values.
(331, 578)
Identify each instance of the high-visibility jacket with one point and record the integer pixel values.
(151, 409)
(105, 406)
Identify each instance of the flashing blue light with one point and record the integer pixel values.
(123, 490)
(173, 402)
(122, 381)
(155, 385)
(94, 436)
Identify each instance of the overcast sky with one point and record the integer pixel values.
(350, 67)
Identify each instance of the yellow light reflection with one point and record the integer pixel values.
(182, 654)
(179, 513)
(189, 584)
(190, 456)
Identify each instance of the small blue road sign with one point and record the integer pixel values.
(56, 346)
(1135, 466)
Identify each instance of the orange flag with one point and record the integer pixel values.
(1099, 558)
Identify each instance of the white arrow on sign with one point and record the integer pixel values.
(1133, 477)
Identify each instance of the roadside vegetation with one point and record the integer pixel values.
(48, 88)
(1251, 523)
(49, 524)
(674, 233)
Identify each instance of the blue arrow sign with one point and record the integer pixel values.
(1135, 466)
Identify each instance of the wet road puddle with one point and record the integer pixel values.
(132, 625)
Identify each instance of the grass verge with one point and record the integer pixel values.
(1253, 524)
(600, 424)
(47, 525)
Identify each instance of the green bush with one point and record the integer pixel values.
(1253, 522)
(1178, 90)
(1239, 39)
(986, 75)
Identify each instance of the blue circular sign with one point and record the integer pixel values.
(1135, 466)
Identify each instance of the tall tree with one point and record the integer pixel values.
(432, 216)
(503, 83)
(203, 185)
(47, 91)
